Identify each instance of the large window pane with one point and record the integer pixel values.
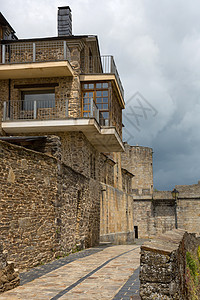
(105, 106)
(105, 85)
(98, 92)
(98, 85)
(44, 99)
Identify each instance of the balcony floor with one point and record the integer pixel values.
(36, 70)
(104, 139)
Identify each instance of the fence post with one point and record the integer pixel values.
(4, 110)
(35, 109)
(91, 107)
(112, 65)
(66, 108)
(3, 54)
(34, 52)
(65, 49)
(97, 118)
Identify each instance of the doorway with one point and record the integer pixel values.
(136, 232)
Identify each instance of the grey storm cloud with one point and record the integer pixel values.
(156, 47)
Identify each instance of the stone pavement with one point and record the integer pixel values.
(96, 273)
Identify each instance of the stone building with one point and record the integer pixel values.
(67, 179)
(61, 142)
(139, 161)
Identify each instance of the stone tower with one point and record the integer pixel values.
(138, 160)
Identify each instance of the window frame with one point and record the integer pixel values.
(37, 91)
(94, 91)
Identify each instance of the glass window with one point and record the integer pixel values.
(105, 114)
(105, 106)
(100, 96)
(44, 99)
(98, 85)
(99, 105)
(86, 101)
(90, 94)
(105, 93)
(105, 85)
(85, 95)
(85, 107)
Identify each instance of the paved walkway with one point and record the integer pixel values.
(96, 273)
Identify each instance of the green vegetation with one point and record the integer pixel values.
(192, 264)
(198, 253)
(193, 275)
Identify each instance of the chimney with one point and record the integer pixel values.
(64, 21)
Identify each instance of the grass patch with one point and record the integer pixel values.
(193, 275)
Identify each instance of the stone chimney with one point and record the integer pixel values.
(64, 21)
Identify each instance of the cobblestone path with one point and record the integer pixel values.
(96, 273)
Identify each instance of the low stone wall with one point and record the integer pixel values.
(116, 216)
(9, 277)
(163, 265)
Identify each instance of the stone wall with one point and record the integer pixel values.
(116, 216)
(46, 208)
(153, 217)
(138, 161)
(188, 210)
(74, 150)
(9, 277)
(156, 214)
(79, 154)
(163, 266)
(78, 210)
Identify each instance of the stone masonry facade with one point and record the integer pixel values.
(138, 161)
(47, 209)
(9, 277)
(66, 193)
(116, 216)
(156, 214)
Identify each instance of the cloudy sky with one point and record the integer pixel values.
(156, 48)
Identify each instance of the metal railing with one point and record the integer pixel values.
(94, 111)
(35, 110)
(18, 110)
(101, 64)
(40, 51)
(28, 52)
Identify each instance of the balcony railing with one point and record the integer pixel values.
(42, 51)
(103, 64)
(29, 52)
(18, 110)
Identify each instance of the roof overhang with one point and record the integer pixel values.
(36, 70)
(104, 77)
(103, 139)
